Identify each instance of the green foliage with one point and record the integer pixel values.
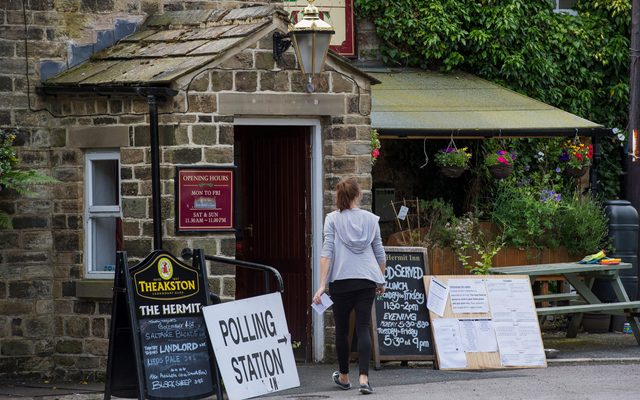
(469, 237)
(12, 178)
(525, 219)
(582, 224)
(576, 63)
(530, 217)
(453, 157)
(436, 216)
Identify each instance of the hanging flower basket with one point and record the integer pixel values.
(451, 172)
(575, 172)
(501, 171)
(452, 161)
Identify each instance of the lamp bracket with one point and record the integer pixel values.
(281, 43)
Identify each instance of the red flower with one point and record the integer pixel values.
(375, 153)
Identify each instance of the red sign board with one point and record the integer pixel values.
(205, 199)
(339, 13)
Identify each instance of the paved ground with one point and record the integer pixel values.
(581, 361)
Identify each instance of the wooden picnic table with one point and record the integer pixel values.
(581, 277)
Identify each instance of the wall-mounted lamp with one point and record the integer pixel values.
(310, 37)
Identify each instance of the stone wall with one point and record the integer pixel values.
(49, 326)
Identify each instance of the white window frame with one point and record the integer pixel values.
(91, 211)
(570, 11)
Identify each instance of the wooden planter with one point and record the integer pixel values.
(443, 261)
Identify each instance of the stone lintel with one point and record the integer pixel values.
(281, 104)
(96, 137)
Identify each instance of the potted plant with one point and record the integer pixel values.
(500, 163)
(452, 161)
(576, 158)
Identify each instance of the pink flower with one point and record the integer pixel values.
(503, 160)
(375, 153)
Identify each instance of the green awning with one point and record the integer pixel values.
(434, 104)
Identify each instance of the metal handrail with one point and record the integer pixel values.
(187, 254)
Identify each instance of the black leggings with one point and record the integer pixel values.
(361, 301)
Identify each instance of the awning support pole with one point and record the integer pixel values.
(155, 172)
(593, 173)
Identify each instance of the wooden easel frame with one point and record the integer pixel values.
(476, 361)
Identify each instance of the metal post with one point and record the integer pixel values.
(155, 172)
(632, 178)
(593, 173)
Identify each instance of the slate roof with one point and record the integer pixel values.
(434, 104)
(168, 46)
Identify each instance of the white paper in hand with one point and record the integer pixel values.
(325, 302)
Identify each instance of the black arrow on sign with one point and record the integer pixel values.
(282, 340)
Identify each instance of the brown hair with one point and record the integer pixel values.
(347, 190)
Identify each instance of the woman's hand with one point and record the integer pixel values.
(379, 290)
(319, 292)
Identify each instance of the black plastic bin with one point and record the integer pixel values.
(623, 231)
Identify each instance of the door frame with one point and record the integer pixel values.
(317, 173)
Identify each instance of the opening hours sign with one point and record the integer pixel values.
(204, 199)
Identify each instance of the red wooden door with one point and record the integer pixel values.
(274, 219)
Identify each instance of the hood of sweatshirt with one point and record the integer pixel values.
(356, 228)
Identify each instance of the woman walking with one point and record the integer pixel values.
(353, 263)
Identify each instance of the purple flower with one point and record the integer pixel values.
(527, 167)
(564, 157)
(448, 150)
(558, 169)
(550, 195)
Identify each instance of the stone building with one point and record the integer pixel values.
(82, 113)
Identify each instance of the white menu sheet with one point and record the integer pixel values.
(478, 335)
(449, 343)
(437, 298)
(468, 296)
(515, 322)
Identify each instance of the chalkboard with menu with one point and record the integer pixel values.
(400, 319)
(173, 356)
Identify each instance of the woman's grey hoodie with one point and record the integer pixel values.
(353, 244)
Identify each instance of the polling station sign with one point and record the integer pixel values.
(252, 345)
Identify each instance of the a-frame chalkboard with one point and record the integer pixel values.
(159, 348)
(400, 319)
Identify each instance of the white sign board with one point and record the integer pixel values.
(252, 345)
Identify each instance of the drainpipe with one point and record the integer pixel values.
(155, 172)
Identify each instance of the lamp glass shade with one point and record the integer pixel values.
(311, 49)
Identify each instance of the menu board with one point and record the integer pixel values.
(175, 356)
(167, 297)
(487, 322)
(401, 318)
(204, 199)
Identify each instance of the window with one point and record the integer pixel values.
(103, 226)
(564, 6)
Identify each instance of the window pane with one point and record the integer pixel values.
(566, 4)
(105, 182)
(103, 244)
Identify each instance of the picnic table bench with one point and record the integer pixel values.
(581, 277)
